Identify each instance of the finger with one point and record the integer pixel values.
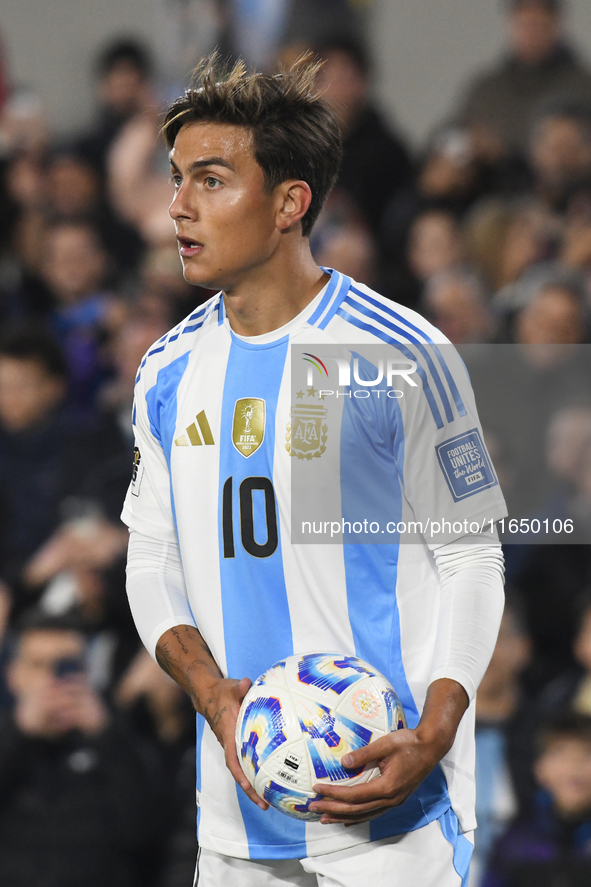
(237, 772)
(349, 811)
(355, 794)
(371, 753)
(349, 822)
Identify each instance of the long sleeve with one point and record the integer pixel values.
(156, 588)
(471, 574)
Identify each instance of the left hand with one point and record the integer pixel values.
(404, 761)
(405, 758)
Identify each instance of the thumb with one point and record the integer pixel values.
(244, 686)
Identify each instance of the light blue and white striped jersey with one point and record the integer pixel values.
(214, 429)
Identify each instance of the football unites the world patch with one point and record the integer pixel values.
(466, 465)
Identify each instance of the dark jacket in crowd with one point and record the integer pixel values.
(504, 98)
(541, 851)
(375, 165)
(76, 811)
(39, 468)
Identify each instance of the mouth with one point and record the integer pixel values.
(188, 247)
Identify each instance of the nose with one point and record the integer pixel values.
(181, 208)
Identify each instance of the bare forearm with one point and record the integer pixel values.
(183, 654)
(444, 708)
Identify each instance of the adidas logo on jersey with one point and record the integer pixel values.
(192, 438)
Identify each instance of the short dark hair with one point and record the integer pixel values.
(295, 134)
(26, 343)
(563, 106)
(555, 6)
(350, 47)
(128, 51)
(568, 725)
(35, 619)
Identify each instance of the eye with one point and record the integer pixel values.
(176, 180)
(212, 183)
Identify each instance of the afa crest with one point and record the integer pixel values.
(307, 431)
(248, 427)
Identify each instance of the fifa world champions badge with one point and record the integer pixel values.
(248, 428)
(307, 431)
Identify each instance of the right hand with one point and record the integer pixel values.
(52, 709)
(221, 713)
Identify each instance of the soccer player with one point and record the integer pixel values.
(218, 590)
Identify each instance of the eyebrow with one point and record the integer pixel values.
(200, 164)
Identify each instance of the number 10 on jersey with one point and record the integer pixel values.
(246, 491)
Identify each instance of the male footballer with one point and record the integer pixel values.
(218, 590)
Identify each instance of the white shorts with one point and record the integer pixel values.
(423, 858)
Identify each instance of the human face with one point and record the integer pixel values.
(564, 770)
(225, 221)
(73, 262)
(560, 151)
(33, 669)
(553, 317)
(27, 392)
(534, 31)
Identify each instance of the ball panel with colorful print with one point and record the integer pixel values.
(299, 719)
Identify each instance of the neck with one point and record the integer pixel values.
(275, 292)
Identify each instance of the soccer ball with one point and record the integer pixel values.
(301, 716)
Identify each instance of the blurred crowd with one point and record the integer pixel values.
(486, 231)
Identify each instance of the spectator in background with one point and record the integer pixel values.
(35, 434)
(163, 294)
(568, 455)
(126, 351)
(559, 152)
(74, 269)
(552, 845)
(159, 708)
(79, 801)
(341, 239)
(555, 314)
(369, 144)
(505, 237)
(460, 168)
(540, 63)
(505, 722)
(454, 301)
(123, 89)
(571, 691)
(546, 306)
(74, 192)
(138, 179)
(46, 452)
(435, 244)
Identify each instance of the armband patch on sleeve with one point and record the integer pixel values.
(137, 472)
(466, 465)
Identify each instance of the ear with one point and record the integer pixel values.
(295, 197)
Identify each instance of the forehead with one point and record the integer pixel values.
(198, 141)
(568, 745)
(20, 367)
(67, 237)
(48, 644)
